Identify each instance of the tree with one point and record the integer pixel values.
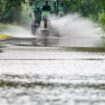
(10, 10)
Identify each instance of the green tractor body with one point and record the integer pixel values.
(40, 16)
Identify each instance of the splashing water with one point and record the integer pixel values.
(76, 31)
(73, 30)
(17, 31)
(75, 26)
(71, 25)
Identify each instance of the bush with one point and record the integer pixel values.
(102, 19)
(25, 18)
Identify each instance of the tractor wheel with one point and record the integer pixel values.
(35, 25)
(33, 30)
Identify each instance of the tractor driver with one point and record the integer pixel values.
(46, 7)
(45, 13)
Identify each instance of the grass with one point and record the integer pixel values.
(85, 49)
(4, 36)
(4, 27)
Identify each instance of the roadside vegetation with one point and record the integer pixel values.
(4, 36)
(93, 9)
(17, 11)
(14, 12)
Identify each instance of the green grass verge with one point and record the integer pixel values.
(4, 36)
(85, 49)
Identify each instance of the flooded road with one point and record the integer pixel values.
(51, 76)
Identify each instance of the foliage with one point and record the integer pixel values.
(10, 10)
(88, 8)
(15, 10)
(25, 15)
(84, 7)
(102, 19)
(4, 36)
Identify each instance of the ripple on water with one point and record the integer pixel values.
(51, 90)
(73, 78)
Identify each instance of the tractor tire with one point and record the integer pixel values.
(33, 30)
(35, 25)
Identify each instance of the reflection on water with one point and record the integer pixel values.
(0, 51)
(42, 90)
(51, 76)
(57, 41)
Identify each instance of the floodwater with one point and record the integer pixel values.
(69, 71)
(51, 76)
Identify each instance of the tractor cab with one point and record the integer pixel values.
(41, 10)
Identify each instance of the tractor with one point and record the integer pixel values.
(40, 12)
